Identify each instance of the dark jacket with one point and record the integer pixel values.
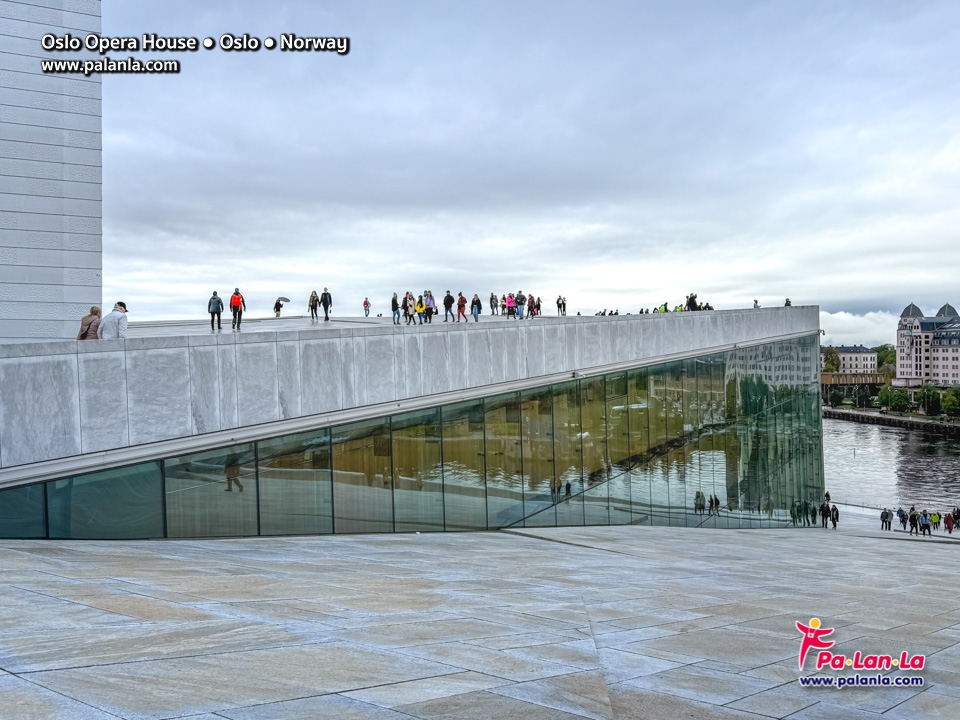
(448, 301)
(326, 299)
(394, 305)
(215, 304)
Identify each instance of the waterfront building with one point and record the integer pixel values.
(50, 211)
(854, 359)
(569, 421)
(928, 348)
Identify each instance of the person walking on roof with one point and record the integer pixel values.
(448, 307)
(461, 307)
(366, 307)
(237, 306)
(277, 307)
(215, 307)
(327, 301)
(395, 308)
(476, 307)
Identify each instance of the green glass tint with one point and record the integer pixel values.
(113, 504)
(21, 512)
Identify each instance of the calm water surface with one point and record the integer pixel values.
(876, 465)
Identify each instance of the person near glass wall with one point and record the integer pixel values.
(231, 468)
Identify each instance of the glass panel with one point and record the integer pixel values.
(21, 512)
(212, 493)
(296, 493)
(362, 483)
(121, 504)
(502, 446)
(618, 448)
(690, 485)
(638, 396)
(568, 452)
(464, 487)
(593, 414)
(417, 471)
(657, 423)
(541, 489)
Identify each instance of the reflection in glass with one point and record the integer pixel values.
(21, 512)
(501, 419)
(541, 487)
(417, 471)
(212, 493)
(618, 448)
(595, 463)
(568, 453)
(362, 482)
(109, 505)
(296, 491)
(464, 486)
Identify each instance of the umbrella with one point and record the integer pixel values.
(283, 299)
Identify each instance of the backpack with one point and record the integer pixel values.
(236, 300)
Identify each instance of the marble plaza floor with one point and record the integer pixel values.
(597, 622)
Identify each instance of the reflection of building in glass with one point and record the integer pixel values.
(928, 348)
(636, 446)
(854, 359)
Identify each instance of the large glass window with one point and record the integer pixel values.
(464, 486)
(417, 471)
(595, 462)
(568, 452)
(501, 419)
(296, 494)
(618, 448)
(658, 464)
(21, 512)
(113, 504)
(212, 493)
(362, 479)
(541, 486)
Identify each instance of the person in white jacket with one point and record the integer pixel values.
(114, 325)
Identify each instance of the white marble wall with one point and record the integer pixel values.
(65, 398)
(50, 141)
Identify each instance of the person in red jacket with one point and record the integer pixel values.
(461, 307)
(948, 521)
(237, 306)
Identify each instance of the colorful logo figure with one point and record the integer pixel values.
(812, 638)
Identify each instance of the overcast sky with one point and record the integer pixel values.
(622, 154)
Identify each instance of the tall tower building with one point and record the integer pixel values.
(50, 174)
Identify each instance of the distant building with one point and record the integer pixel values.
(928, 348)
(854, 359)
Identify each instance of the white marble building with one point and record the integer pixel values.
(50, 160)
(90, 403)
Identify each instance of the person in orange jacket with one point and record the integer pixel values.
(237, 306)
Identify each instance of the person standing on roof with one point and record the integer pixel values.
(114, 325)
(237, 306)
(215, 307)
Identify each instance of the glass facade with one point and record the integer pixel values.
(722, 440)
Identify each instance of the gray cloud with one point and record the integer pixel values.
(623, 154)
